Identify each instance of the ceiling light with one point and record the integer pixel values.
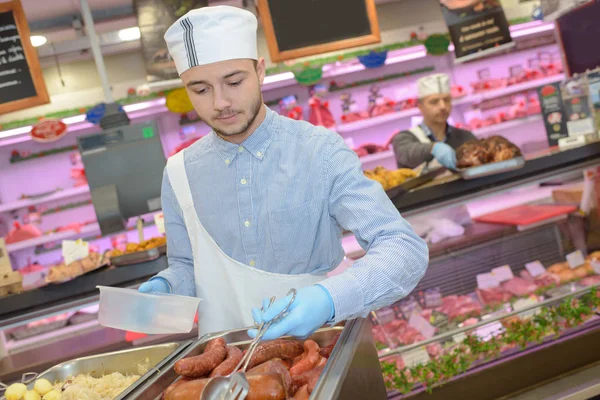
(129, 34)
(37, 41)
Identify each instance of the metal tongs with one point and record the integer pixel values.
(235, 386)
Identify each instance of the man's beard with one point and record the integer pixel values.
(254, 110)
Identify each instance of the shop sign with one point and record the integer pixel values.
(477, 28)
(553, 112)
(48, 131)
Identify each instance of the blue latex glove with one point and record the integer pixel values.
(444, 154)
(159, 285)
(312, 308)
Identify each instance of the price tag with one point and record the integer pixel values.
(486, 281)
(503, 273)
(575, 259)
(73, 250)
(596, 266)
(159, 221)
(525, 303)
(422, 325)
(535, 268)
(488, 331)
(415, 357)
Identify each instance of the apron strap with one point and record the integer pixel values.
(179, 180)
(419, 134)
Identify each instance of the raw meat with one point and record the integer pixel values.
(590, 280)
(544, 280)
(459, 306)
(493, 296)
(519, 286)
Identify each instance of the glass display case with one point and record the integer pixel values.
(510, 301)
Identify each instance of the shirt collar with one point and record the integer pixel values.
(257, 144)
(431, 136)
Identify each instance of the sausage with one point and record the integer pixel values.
(284, 349)
(274, 366)
(202, 365)
(314, 379)
(302, 393)
(234, 356)
(310, 360)
(327, 350)
(306, 378)
(169, 389)
(262, 387)
(189, 390)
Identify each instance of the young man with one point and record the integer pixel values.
(434, 138)
(257, 207)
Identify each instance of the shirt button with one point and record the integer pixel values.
(240, 149)
(243, 181)
(252, 263)
(247, 224)
(228, 161)
(258, 154)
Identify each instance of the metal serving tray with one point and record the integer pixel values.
(135, 258)
(356, 339)
(491, 169)
(124, 361)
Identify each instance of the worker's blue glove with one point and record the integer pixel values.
(312, 308)
(444, 154)
(159, 285)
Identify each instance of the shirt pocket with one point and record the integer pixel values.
(294, 231)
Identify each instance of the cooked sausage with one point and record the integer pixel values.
(190, 390)
(203, 364)
(310, 359)
(302, 393)
(314, 379)
(327, 350)
(169, 389)
(284, 349)
(234, 356)
(262, 387)
(274, 366)
(306, 378)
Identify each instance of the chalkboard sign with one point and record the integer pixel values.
(295, 28)
(21, 81)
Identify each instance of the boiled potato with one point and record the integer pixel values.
(42, 386)
(32, 395)
(53, 395)
(16, 391)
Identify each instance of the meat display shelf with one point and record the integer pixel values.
(503, 126)
(59, 195)
(469, 99)
(80, 292)
(53, 237)
(552, 166)
(371, 158)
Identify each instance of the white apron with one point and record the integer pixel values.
(228, 289)
(419, 133)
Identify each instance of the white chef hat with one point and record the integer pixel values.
(211, 34)
(433, 84)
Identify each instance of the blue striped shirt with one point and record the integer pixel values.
(279, 202)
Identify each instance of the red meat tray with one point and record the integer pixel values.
(526, 214)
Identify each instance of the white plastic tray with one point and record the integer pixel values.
(151, 313)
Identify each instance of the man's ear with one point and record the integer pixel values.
(261, 69)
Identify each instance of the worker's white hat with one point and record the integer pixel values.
(433, 84)
(211, 34)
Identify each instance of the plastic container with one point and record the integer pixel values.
(151, 313)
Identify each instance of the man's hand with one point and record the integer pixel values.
(312, 308)
(444, 154)
(159, 285)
